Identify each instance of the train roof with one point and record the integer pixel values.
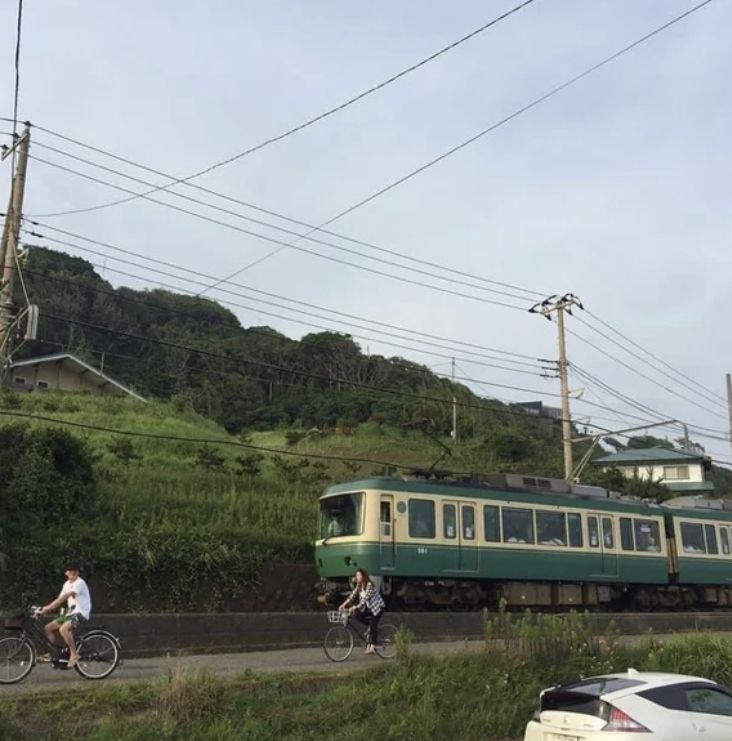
(527, 490)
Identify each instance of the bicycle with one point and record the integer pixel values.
(339, 640)
(99, 650)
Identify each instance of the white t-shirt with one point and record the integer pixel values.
(81, 604)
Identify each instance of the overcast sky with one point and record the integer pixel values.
(617, 189)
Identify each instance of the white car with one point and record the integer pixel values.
(632, 707)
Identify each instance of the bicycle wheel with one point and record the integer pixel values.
(387, 641)
(98, 655)
(17, 658)
(338, 643)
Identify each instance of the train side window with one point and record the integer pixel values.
(385, 519)
(725, 540)
(421, 518)
(518, 525)
(647, 536)
(491, 524)
(626, 534)
(449, 521)
(608, 539)
(551, 528)
(692, 538)
(574, 523)
(711, 533)
(468, 513)
(593, 532)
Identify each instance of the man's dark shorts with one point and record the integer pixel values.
(77, 621)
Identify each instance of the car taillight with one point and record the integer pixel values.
(620, 721)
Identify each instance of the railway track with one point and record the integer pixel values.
(151, 635)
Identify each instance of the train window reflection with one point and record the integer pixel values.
(574, 521)
(421, 518)
(491, 524)
(551, 528)
(725, 540)
(647, 536)
(593, 531)
(711, 532)
(518, 525)
(692, 538)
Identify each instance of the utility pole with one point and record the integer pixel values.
(9, 246)
(729, 404)
(559, 305)
(454, 405)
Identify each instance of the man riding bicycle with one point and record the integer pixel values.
(75, 593)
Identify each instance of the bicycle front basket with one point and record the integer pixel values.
(337, 616)
(13, 623)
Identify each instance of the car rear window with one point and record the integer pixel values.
(597, 686)
(572, 702)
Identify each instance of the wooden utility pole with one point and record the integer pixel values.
(729, 404)
(9, 246)
(454, 405)
(559, 305)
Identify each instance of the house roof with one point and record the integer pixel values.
(95, 376)
(647, 455)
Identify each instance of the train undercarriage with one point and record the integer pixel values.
(470, 594)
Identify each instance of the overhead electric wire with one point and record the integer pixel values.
(299, 248)
(269, 212)
(696, 428)
(327, 378)
(655, 357)
(646, 362)
(325, 114)
(304, 373)
(257, 310)
(537, 101)
(200, 440)
(265, 224)
(534, 361)
(694, 403)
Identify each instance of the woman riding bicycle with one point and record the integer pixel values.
(368, 606)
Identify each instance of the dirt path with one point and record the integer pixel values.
(44, 677)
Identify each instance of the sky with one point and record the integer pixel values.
(613, 190)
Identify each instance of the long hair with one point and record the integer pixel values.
(365, 578)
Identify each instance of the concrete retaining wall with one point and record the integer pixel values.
(198, 633)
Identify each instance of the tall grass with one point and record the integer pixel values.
(486, 696)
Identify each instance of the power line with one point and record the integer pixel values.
(268, 294)
(646, 362)
(643, 375)
(257, 310)
(537, 101)
(321, 116)
(199, 440)
(266, 224)
(303, 373)
(326, 378)
(636, 404)
(269, 212)
(655, 357)
(299, 248)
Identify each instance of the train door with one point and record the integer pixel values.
(450, 557)
(468, 535)
(387, 542)
(609, 546)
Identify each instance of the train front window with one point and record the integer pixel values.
(341, 515)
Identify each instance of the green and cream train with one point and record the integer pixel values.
(530, 541)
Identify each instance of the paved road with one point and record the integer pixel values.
(45, 677)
